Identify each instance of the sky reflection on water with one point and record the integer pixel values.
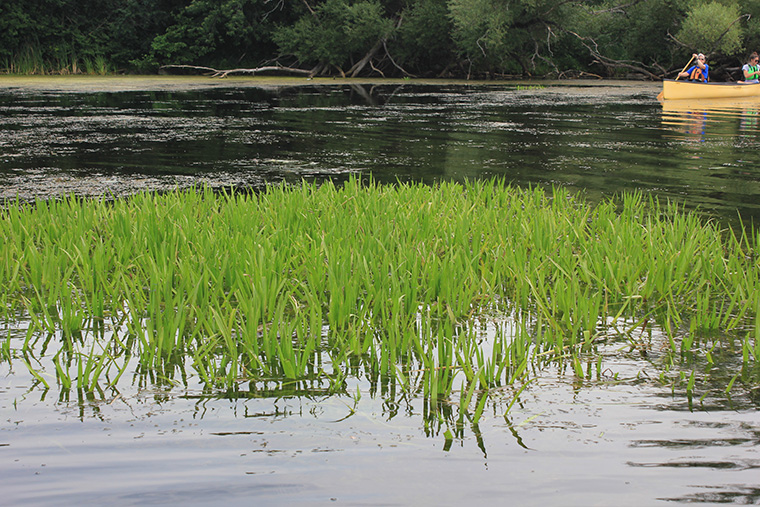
(620, 436)
(625, 443)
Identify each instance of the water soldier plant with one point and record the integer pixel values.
(457, 294)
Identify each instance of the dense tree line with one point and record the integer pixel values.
(426, 38)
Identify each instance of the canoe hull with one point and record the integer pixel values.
(679, 90)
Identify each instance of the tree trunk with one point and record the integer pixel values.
(359, 66)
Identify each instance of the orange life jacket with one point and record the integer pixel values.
(696, 74)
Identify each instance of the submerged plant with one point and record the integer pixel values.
(455, 292)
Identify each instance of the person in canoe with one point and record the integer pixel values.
(698, 71)
(751, 69)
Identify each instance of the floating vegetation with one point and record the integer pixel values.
(457, 294)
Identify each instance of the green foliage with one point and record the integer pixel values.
(424, 37)
(98, 65)
(645, 37)
(337, 33)
(636, 33)
(43, 36)
(15, 21)
(479, 30)
(423, 42)
(227, 33)
(72, 36)
(704, 28)
(133, 26)
(508, 36)
(751, 27)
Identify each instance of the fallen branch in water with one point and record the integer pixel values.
(224, 73)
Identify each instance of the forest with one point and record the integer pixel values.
(473, 39)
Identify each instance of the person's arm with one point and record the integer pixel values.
(686, 73)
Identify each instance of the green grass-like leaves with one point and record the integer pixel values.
(319, 283)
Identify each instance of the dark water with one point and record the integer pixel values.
(598, 139)
(622, 439)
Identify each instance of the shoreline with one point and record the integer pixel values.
(120, 83)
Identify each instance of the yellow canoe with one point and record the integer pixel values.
(679, 90)
(727, 106)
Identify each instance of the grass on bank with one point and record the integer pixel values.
(31, 62)
(448, 292)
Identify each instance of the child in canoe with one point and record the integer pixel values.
(751, 69)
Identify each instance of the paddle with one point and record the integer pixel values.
(685, 66)
(660, 95)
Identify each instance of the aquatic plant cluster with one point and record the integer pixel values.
(453, 293)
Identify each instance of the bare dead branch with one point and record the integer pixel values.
(310, 9)
(593, 49)
(659, 67)
(207, 70)
(316, 70)
(224, 73)
(481, 47)
(359, 66)
(618, 9)
(394, 61)
(537, 54)
(712, 50)
(685, 46)
(376, 69)
(571, 74)
(279, 4)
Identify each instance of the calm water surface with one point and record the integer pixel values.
(602, 139)
(619, 438)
